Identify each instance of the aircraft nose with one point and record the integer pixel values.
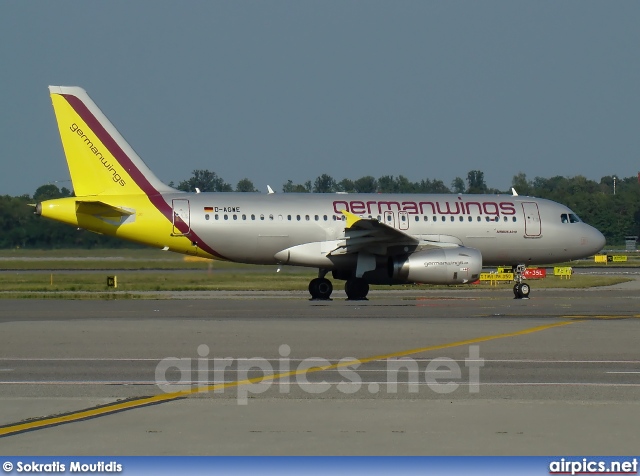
(596, 240)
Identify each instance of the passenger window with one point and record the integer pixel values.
(261, 217)
(298, 217)
(426, 218)
(417, 218)
(325, 217)
(270, 217)
(453, 218)
(479, 218)
(253, 217)
(444, 218)
(506, 219)
(470, 219)
(216, 217)
(461, 218)
(317, 218)
(244, 217)
(514, 219)
(289, 217)
(306, 217)
(206, 217)
(235, 217)
(226, 217)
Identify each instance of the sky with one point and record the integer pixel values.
(278, 90)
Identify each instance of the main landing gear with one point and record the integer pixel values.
(356, 289)
(321, 288)
(520, 290)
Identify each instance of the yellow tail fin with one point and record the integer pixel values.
(100, 160)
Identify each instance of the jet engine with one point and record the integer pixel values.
(438, 266)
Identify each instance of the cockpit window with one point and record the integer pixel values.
(569, 218)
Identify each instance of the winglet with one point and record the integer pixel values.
(513, 191)
(270, 190)
(351, 218)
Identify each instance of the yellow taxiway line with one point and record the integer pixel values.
(36, 424)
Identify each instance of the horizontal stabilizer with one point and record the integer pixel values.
(101, 209)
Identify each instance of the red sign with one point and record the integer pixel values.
(536, 273)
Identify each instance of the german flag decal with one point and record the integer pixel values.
(208, 209)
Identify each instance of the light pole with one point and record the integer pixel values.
(614, 184)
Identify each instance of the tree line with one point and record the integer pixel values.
(612, 205)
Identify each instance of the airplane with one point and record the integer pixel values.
(362, 239)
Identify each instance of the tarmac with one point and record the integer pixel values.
(445, 372)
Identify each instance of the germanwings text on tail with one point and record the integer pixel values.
(361, 239)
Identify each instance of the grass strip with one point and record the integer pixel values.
(131, 281)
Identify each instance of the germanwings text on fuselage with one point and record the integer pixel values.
(421, 208)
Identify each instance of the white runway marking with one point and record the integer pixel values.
(363, 383)
(310, 359)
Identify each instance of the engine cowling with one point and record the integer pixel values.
(438, 266)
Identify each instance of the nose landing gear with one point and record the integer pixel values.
(520, 290)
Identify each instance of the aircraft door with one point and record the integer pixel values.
(389, 219)
(181, 216)
(403, 220)
(532, 224)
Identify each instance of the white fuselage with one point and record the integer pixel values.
(253, 228)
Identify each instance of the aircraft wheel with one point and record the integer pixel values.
(320, 288)
(356, 289)
(521, 290)
(325, 288)
(313, 288)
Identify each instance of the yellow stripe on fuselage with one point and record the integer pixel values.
(146, 225)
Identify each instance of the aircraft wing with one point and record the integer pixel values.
(371, 236)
